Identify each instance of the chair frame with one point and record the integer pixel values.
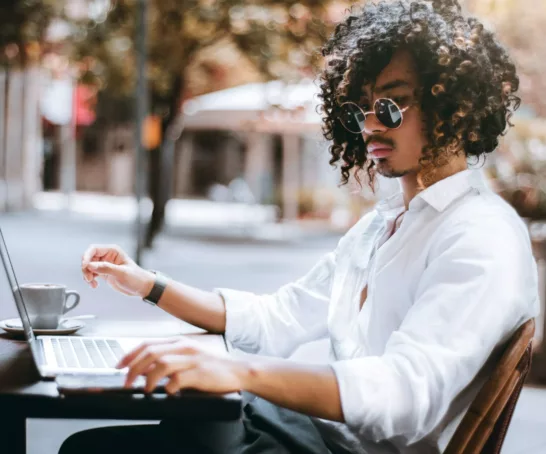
(484, 426)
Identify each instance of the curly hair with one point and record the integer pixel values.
(467, 80)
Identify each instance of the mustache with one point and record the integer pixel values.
(381, 141)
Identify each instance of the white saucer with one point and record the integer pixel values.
(66, 327)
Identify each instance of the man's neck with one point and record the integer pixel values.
(410, 185)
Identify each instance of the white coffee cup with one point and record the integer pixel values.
(47, 303)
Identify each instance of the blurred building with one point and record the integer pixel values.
(268, 134)
(273, 141)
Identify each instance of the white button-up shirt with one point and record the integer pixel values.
(445, 292)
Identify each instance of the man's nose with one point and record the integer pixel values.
(372, 126)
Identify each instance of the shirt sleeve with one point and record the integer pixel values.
(276, 324)
(479, 286)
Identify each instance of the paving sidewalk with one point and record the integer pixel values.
(189, 217)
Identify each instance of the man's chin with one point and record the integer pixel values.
(383, 168)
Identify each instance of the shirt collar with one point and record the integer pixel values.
(391, 206)
(443, 193)
(439, 196)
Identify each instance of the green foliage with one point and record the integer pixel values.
(23, 24)
(281, 38)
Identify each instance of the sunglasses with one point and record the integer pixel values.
(389, 114)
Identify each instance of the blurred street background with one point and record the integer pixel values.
(188, 132)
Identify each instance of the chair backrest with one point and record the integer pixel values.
(483, 427)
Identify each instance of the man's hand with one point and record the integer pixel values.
(187, 363)
(305, 388)
(117, 268)
(197, 307)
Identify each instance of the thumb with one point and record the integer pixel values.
(105, 268)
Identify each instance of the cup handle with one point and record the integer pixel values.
(76, 296)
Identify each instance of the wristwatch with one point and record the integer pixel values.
(160, 284)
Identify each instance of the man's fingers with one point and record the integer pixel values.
(129, 358)
(145, 359)
(88, 275)
(106, 268)
(87, 255)
(151, 355)
(97, 252)
(165, 366)
(141, 363)
(188, 378)
(93, 252)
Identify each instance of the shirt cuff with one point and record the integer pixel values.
(240, 318)
(367, 396)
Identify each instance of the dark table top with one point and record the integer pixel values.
(22, 391)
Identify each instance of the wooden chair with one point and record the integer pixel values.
(483, 427)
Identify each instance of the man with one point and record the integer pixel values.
(417, 299)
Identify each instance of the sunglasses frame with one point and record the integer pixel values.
(401, 110)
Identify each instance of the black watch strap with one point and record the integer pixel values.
(160, 284)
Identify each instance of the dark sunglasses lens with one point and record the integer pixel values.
(388, 113)
(352, 118)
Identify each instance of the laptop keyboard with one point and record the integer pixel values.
(86, 353)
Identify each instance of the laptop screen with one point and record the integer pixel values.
(9, 280)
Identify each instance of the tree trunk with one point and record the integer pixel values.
(161, 161)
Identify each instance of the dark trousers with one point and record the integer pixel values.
(263, 428)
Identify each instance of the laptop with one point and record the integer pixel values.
(80, 362)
